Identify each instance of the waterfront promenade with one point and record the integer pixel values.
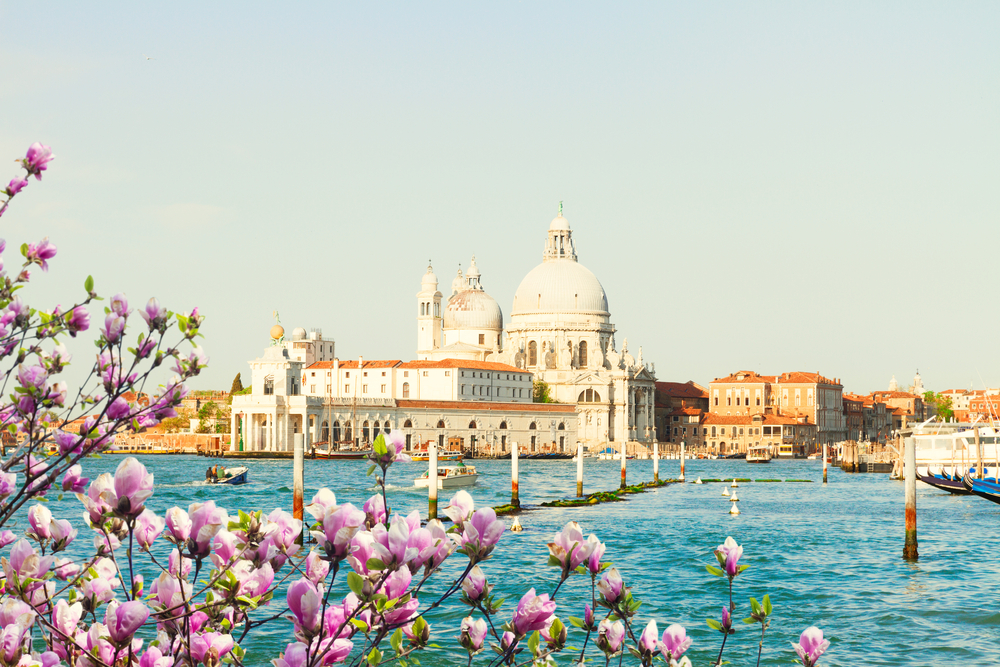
(829, 556)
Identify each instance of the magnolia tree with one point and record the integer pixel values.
(357, 595)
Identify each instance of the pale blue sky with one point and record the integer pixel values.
(766, 186)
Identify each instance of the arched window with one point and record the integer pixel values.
(406, 390)
(583, 353)
(589, 396)
(532, 353)
(386, 427)
(348, 432)
(562, 427)
(375, 430)
(472, 424)
(441, 423)
(503, 425)
(713, 431)
(531, 427)
(269, 385)
(324, 433)
(408, 424)
(365, 432)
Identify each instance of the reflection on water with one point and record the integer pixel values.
(827, 555)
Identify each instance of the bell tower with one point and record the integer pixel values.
(428, 315)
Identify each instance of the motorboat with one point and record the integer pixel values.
(445, 455)
(449, 477)
(220, 475)
(758, 454)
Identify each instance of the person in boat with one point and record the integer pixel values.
(208, 474)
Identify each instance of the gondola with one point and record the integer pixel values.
(945, 482)
(983, 488)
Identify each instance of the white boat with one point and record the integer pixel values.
(953, 450)
(758, 454)
(449, 477)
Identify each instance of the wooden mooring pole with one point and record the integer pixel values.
(432, 478)
(683, 446)
(579, 471)
(623, 465)
(824, 463)
(298, 475)
(656, 462)
(514, 500)
(910, 475)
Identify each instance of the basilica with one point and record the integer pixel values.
(471, 385)
(560, 330)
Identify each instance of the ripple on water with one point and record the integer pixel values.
(827, 555)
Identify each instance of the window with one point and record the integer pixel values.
(441, 423)
(406, 374)
(348, 374)
(729, 400)
(737, 400)
(503, 425)
(312, 389)
(482, 339)
(713, 431)
(425, 373)
(383, 389)
(347, 388)
(532, 353)
(383, 373)
(365, 374)
(447, 373)
(269, 385)
(313, 374)
(408, 424)
(406, 390)
(364, 389)
(716, 400)
(531, 427)
(582, 353)
(758, 401)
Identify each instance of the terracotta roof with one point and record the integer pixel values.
(746, 376)
(893, 394)
(690, 412)
(477, 406)
(463, 363)
(353, 363)
(899, 411)
(800, 377)
(682, 389)
(748, 420)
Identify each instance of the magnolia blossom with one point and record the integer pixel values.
(40, 519)
(12, 640)
(647, 640)
(611, 586)
(16, 185)
(533, 612)
(729, 554)
(474, 585)
(374, 509)
(316, 568)
(155, 315)
(610, 635)
(811, 646)
(153, 657)
(727, 619)
(570, 549)
(460, 509)
(72, 481)
(473, 634)
(123, 620)
(206, 521)
(37, 159)
(133, 486)
(395, 443)
(305, 603)
(294, 656)
(339, 525)
(39, 253)
(77, 320)
(480, 535)
(147, 528)
(596, 554)
(210, 645)
(100, 499)
(588, 617)
(674, 642)
(119, 305)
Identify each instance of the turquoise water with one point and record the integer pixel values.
(828, 555)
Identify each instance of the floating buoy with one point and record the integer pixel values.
(734, 484)
(734, 499)
(725, 492)
(734, 510)
(698, 481)
(516, 526)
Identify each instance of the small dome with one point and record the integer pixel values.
(560, 286)
(298, 333)
(559, 224)
(429, 280)
(473, 309)
(458, 284)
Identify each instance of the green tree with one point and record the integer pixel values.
(540, 393)
(237, 387)
(206, 412)
(941, 403)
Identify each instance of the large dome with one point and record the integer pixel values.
(473, 309)
(560, 286)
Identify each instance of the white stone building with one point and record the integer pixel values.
(560, 329)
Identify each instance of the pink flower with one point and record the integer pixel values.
(25, 562)
(119, 305)
(647, 640)
(114, 325)
(13, 609)
(588, 617)
(16, 185)
(147, 528)
(374, 509)
(460, 509)
(610, 636)
(72, 481)
(77, 320)
(124, 620)
(179, 525)
(473, 634)
(294, 656)
(206, 521)
(37, 159)
(611, 586)
(40, 519)
(154, 314)
(133, 486)
(340, 524)
(332, 650)
(11, 642)
(480, 535)
(569, 548)
(474, 585)
(727, 620)
(63, 534)
(258, 582)
(153, 657)
(7, 537)
(32, 378)
(533, 612)
(40, 253)
(674, 642)
(316, 568)
(305, 603)
(811, 646)
(210, 645)
(596, 554)
(66, 569)
(100, 498)
(729, 554)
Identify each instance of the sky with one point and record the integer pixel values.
(765, 186)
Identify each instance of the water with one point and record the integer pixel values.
(828, 556)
